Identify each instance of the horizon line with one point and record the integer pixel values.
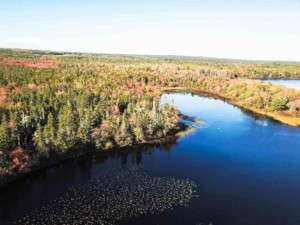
(157, 55)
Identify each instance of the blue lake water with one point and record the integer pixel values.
(288, 83)
(246, 168)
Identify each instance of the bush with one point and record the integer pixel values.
(278, 104)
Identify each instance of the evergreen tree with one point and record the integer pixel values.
(49, 135)
(67, 128)
(86, 125)
(5, 134)
(139, 129)
(39, 141)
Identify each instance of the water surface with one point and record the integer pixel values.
(287, 83)
(246, 169)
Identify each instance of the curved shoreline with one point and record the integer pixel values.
(280, 117)
(183, 129)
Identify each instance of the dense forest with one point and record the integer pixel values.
(51, 102)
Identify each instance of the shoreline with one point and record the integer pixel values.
(287, 120)
(83, 149)
(282, 78)
(279, 117)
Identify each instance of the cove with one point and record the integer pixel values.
(246, 169)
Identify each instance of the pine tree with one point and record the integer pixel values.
(86, 126)
(139, 129)
(5, 134)
(124, 135)
(67, 128)
(39, 141)
(49, 134)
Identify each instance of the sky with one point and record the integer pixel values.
(238, 29)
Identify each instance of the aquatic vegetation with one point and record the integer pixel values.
(114, 195)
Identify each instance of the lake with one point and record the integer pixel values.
(239, 169)
(288, 83)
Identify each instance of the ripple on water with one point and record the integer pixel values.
(112, 196)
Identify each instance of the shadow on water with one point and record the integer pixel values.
(32, 191)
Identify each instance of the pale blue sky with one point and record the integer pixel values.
(257, 29)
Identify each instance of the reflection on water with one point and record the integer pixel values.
(288, 83)
(246, 170)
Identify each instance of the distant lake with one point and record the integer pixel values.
(288, 83)
(246, 169)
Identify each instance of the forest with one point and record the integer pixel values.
(52, 102)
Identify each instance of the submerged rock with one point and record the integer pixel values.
(112, 196)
